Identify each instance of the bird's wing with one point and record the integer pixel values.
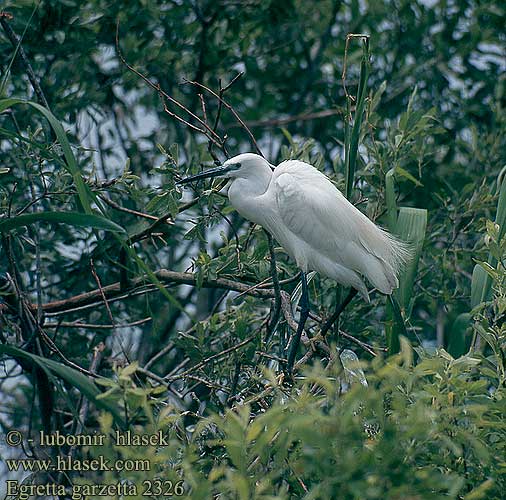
(317, 212)
(312, 207)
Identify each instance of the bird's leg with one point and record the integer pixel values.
(335, 316)
(304, 313)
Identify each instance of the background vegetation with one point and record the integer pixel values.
(114, 280)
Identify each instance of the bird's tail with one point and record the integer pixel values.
(401, 252)
(395, 256)
(384, 259)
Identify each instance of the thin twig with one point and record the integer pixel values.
(214, 357)
(206, 130)
(116, 206)
(163, 275)
(232, 110)
(277, 297)
(16, 43)
(77, 324)
(160, 354)
(98, 354)
(277, 122)
(203, 105)
(102, 294)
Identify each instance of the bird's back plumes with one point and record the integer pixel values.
(314, 209)
(387, 257)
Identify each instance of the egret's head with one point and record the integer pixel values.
(246, 165)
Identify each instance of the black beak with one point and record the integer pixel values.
(213, 172)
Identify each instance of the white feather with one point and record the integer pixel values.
(317, 226)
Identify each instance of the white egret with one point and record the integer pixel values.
(316, 225)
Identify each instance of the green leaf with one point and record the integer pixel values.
(297, 292)
(359, 116)
(377, 96)
(410, 227)
(459, 338)
(129, 370)
(73, 218)
(287, 135)
(84, 192)
(481, 282)
(478, 282)
(73, 377)
(390, 199)
(407, 175)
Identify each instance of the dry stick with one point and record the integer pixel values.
(202, 380)
(134, 292)
(182, 120)
(149, 230)
(271, 356)
(276, 122)
(178, 367)
(349, 36)
(209, 359)
(207, 130)
(16, 43)
(232, 110)
(164, 275)
(156, 378)
(76, 324)
(203, 105)
(262, 284)
(275, 281)
(220, 99)
(266, 283)
(161, 220)
(102, 294)
(118, 207)
(98, 354)
(220, 106)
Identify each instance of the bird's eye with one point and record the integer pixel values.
(235, 166)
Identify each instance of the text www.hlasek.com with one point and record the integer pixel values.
(62, 464)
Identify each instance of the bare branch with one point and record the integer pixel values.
(118, 207)
(206, 129)
(275, 280)
(232, 110)
(163, 275)
(209, 359)
(276, 122)
(78, 324)
(16, 43)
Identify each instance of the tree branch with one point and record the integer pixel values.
(16, 43)
(164, 275)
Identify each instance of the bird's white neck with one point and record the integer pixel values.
(245, 194)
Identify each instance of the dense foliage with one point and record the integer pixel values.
(107, 266)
